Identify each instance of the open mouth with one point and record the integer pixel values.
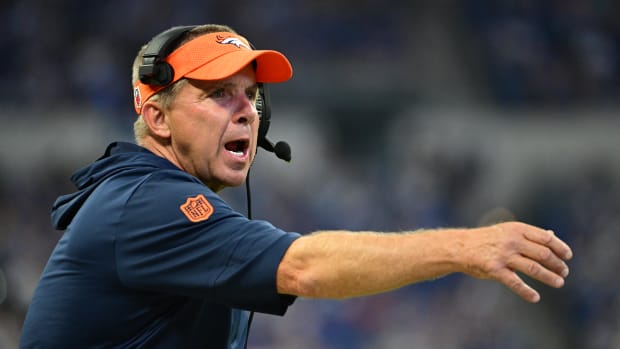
(238, 147)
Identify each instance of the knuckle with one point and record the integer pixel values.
(491, 266)
(509, 225)
(533, 269)
(545, 254)
(547, 237)
(519, 226)
(515, 285)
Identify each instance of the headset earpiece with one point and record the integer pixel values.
(264, 114)
(156, 73)
(154, 70)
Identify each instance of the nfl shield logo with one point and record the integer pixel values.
(197, 209)
(137, 98)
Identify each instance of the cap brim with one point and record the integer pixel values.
(271, 66)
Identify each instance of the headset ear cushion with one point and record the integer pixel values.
(263, 104)
(263, 127)
(156, 74)
(164, 73)
(263, 124)
(264, 113)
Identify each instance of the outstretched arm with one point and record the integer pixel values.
(343, 264)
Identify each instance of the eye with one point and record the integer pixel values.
(252, 95)
(218, 93)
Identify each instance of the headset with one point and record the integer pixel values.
(156, 72)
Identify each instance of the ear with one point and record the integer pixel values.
(156, 119)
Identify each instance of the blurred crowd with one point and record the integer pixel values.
(401, 115)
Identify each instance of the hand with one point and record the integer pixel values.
(499, 251)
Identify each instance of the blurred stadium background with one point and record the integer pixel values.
(401, 114)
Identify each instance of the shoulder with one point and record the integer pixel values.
(173, 198)
(165, 186)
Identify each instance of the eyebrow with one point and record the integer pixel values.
(212, 85)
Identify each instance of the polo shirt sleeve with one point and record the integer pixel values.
(176, 236)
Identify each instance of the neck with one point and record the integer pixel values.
(158, 148)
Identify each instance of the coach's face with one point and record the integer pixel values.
(213, 128)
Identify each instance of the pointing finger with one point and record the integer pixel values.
(536, 271)
(548, 238)
(545, 256)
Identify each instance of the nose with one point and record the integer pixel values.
(246, 111)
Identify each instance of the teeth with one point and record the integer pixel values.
(236, 153)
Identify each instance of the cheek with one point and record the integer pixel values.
(193, 136)
(255, 126)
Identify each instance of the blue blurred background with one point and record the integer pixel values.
(401, 115)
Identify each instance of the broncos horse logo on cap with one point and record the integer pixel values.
(232, 41)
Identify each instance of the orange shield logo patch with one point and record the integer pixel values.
(197, 209)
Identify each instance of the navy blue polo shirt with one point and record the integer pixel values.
(152, 258)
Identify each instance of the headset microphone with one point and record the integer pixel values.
(283, 151)
(281, 148)
(263, 106)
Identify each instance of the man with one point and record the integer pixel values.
(152, 257)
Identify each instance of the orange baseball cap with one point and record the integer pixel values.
(216, 56)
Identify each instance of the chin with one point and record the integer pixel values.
(230, 181)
